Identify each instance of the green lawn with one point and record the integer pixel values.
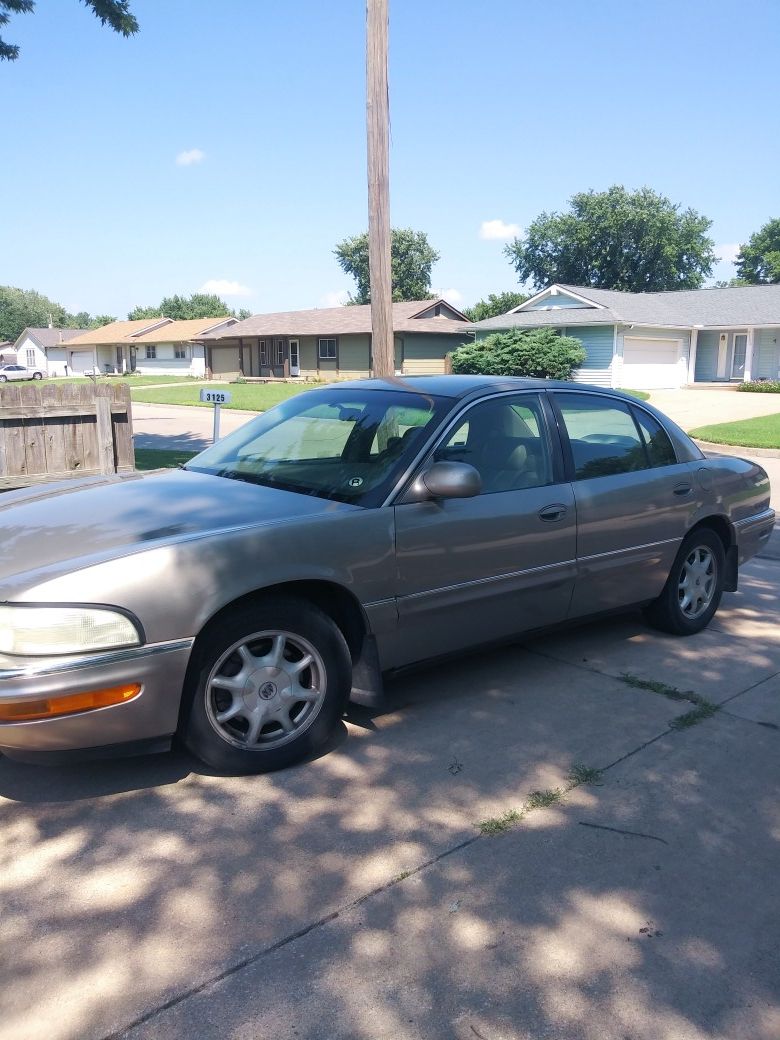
(132, 380)
(638, 393)
(253, 397)
(151, 458)
(763, 432)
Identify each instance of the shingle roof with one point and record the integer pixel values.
(52, 337)
(737, 306)
(339, 321)
(117, 332)
(182, 331)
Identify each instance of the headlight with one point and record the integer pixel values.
(45, 631)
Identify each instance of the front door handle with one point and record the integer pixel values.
(683, 489)
(552, 513)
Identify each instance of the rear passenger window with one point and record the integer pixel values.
(659, 446)
(603, 436)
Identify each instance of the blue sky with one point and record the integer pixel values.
(499, 111)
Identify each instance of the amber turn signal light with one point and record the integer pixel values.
(25, 711)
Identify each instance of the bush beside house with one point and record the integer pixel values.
(540, 353)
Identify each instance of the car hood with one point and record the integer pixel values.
(84, 523)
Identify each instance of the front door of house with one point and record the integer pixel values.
(295, 360)
(740, 353)
(133, 355)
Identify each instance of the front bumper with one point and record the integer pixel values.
(158, 668)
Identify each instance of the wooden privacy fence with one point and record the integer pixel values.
(52, 431)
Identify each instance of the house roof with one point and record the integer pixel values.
(737, 306)
(46, 338)
(182, 331)
(118, 332)
(341, 321)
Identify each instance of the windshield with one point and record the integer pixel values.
(348, 445)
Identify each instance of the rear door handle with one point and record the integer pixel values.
(683, 489)
(551, 513)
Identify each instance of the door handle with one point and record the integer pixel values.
(683, 489)
(551, 513)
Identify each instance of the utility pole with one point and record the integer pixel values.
(378, 134)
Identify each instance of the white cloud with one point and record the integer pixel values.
(728, 251)
(190, 158)
(498, 230)
(223, 287)
(452, 296)
(334, 299)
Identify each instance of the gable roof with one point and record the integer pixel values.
(118, 332)
(46, 338)
(342, 321)
(182, 331)
(737, 306)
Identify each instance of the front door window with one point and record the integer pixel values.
(740, 353)
(295, 363)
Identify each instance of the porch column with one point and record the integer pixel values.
(692, 356)
(749, 354)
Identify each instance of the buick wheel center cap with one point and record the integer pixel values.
(268, 691)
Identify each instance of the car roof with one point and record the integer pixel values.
(467, 386)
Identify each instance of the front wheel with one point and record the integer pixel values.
(694, 587)
(3, 379)
(270, 683)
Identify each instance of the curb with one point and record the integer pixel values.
(736, 449)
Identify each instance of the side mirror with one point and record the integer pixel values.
(446, 480)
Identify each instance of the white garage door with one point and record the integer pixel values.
(651, 364)
(82, 360)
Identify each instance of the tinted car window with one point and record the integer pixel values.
(603, 436)
(659, 445)
(505, 440)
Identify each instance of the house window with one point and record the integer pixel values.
(180, 352)
(31, 358)
(151, 352)
(263, 353)
(280, 352)
(327, 349)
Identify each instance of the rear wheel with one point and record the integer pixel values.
(37, 375)
(694, 587)
(272, 682)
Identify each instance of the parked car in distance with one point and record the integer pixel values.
(353, 530)
(8, 372)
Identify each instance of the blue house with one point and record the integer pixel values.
(660, 339)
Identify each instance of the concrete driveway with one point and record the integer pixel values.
(691, 407)
(356, 896)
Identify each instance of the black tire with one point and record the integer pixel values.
(3, 379)
(37, 375)
(668, 612)
(244, 640)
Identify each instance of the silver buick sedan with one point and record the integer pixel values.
(237, 603)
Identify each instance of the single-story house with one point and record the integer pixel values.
(149, 346)
(7, 352)
(46, 349)
(659, 339)
(335, 342)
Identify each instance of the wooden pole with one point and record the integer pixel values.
(378, 134)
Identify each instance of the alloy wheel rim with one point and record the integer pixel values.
(265, 690)
(696, 586)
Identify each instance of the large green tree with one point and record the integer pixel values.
(758, 262)
(25, 308)
(495, 305)
(412, 257)
(181, 308)
(114, 13)
(637, 241)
